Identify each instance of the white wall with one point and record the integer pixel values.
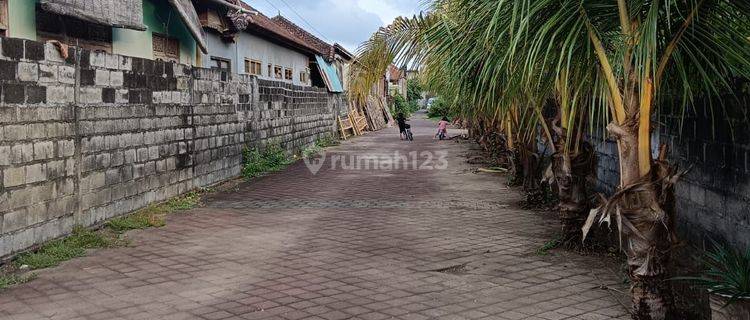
(256, 48)
(222, 49)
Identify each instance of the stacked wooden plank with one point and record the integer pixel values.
(353, 124)
(378, 115)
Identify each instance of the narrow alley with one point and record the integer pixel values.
(438, 241)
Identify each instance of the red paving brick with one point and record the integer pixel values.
(341, 244)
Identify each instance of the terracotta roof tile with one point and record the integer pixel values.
(266, 24)
(311, 40)
(343, 52)
(394, 73)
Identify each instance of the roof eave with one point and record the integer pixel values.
(281, 40)
(340, 50)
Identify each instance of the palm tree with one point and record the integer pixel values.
(600, 61)
(469, 53)
(646, 51)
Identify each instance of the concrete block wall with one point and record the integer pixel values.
(88, 136)
(290, 115)
(218, 127)
(134, 122)
(38, 167)
(713, 199)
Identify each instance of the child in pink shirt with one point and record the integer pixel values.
(443, 128)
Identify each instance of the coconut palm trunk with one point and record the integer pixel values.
(571, 171)
(647, 231)
(531, 171)
(644, 227)
(572, 163)
(645, 205)
(489, 55)
(657, 53)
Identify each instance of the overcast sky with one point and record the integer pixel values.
(348, 22)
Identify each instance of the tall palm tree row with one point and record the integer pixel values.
(600, 65)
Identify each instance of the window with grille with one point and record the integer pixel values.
(211, 19)
(166, 48)
(221, 64)
(304, 76)
(4, 17)
(288, 74)
(253, 67)
(72, 31)
(278, 72)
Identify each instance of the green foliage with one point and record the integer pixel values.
(549, 245)
(311, 151)
(546, 50)
(594, 60)
(320, 144)
(185, 202)
(412, 106)
(440, 109)
(253, 164)
(258, 163)
(413, 90)
(327, 141)
(53, 253)
(12, 280)
(727, 273)
(401, 105)
(150, 217)
(155, 216)
(413, 95)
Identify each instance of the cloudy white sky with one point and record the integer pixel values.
(348, 22)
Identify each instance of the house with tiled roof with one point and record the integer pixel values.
(245, 41)
(326, 50)
(151, 29)
(335, 55)
(222, 34)
(343, 59)
(397, 81)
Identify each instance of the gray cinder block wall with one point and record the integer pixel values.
(91, 136)
(713, 199)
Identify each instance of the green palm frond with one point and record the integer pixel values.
(485, 56)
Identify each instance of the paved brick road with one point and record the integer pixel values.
(342, 244)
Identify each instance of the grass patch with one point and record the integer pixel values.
(54, 252)
(13, 280)
(311, 151)
(257, 163)
(549, 245)
(186, 202)
(327, 141)
(318, 147)
(155, 216)
(151, 217)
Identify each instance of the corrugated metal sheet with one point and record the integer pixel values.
(330, 75)
(115, 13)
(190, 18)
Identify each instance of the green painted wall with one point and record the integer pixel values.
(132, 43)
(158, 16)
(22, 16)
